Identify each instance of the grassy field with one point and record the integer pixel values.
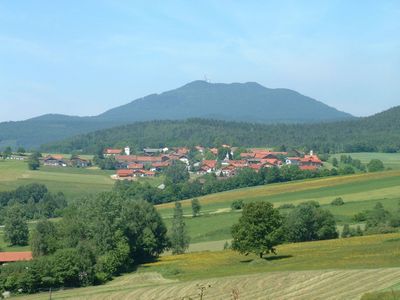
(390, 160)
(73, 182)
(360, 192)
(335, 269)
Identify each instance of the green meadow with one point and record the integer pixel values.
(350, 267)
(359, 192)
(390, 160)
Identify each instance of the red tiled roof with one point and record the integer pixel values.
(209, 163)
(113, 151)
(138, 159)
(311, 158)
(271, 161)
(54, 156)
(124, 173)
(15, 256)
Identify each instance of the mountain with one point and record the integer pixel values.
(247, 102)
(380, 132)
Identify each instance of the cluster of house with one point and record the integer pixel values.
(153, 161)
(257, 159)
(146, 165)
(56, 160)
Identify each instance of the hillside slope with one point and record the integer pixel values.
(248, 102)
(380, 132)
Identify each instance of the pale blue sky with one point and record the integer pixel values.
(83, 57)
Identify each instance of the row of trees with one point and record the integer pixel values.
(97, 238)
(377, 133)
(262, 227)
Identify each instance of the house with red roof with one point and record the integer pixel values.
(112, 152)
(7, 257)
(208, 166)
(124, 174)
(311, 160)
(54, 160)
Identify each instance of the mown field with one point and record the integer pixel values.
(334, 269)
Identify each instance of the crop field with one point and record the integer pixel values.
(334, 269)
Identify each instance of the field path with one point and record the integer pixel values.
(324, 285)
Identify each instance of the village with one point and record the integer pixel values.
(153, 161)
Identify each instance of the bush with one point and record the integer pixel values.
(237, 204)
(337, 202)
(375, 165)
(361, 216)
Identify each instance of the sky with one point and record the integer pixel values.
(84, 57)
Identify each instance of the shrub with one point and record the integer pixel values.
(237, 204)
(337, 202)
(375, 165)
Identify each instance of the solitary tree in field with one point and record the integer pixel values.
(15, 227)
(196, 207)
(179, 237)
(258, 230)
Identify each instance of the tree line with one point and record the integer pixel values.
(377, 133)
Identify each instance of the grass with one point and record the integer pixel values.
(73, 182)
(375, 251)
(390, 160)
(333, 269)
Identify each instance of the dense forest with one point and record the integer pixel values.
(380, 132)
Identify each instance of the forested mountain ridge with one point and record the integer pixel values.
(245, 102)
(380, 132)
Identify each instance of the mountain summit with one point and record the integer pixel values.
(246, 102)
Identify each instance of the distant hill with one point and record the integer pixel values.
(380, 132)
(246, 102)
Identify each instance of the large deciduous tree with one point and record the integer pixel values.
(258, 230)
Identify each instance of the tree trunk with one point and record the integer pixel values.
(261, 254)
